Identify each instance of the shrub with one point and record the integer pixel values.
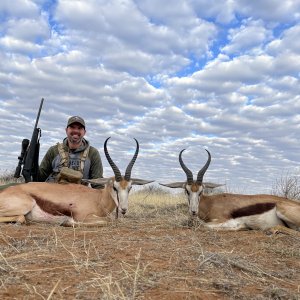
(288, 186)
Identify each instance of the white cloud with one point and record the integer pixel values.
(287, 42)
(270, 10)
(125, 31)
(28, 29)
(16, 45)
(221, 75)
(249, 38)
(222, 12)
(19, 8)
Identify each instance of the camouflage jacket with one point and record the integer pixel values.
(51, 163)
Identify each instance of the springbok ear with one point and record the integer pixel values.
(210, 185)
(97, 180)
(137, 181)
(174, 185)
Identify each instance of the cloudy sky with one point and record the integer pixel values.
(194, 74)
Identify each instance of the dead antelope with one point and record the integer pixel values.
(69, 204)
(234, 211)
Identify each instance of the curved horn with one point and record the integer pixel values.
(203, 170)
(189, 174)
(116, 170)
(129, 167)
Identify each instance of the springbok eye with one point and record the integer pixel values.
(115, 189)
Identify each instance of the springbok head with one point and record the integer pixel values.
(121, 185)
(193, 188)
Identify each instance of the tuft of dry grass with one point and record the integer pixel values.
(8, 177)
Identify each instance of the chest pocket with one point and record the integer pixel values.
(67, 174)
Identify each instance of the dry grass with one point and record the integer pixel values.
(153, 253)
(7, 177)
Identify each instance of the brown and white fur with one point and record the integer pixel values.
(69, 204)
(236, 211)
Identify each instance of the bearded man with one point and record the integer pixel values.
(73, 159)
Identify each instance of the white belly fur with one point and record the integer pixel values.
(262, 221)
(38, 215)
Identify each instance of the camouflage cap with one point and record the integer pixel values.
(76, 119)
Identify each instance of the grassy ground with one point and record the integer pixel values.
(152, 253)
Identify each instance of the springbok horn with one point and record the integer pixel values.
(203, 170)
(189, 174)
(129, 167)
(116, 170)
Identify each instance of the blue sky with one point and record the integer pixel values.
(194, 74)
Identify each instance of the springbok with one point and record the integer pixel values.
(69, 204)
(234, 211)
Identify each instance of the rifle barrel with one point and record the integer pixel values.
(39, 112)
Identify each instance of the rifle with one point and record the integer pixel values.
(29, 156)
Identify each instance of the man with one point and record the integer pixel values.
(73, 159)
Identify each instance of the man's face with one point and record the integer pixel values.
(75, 132)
